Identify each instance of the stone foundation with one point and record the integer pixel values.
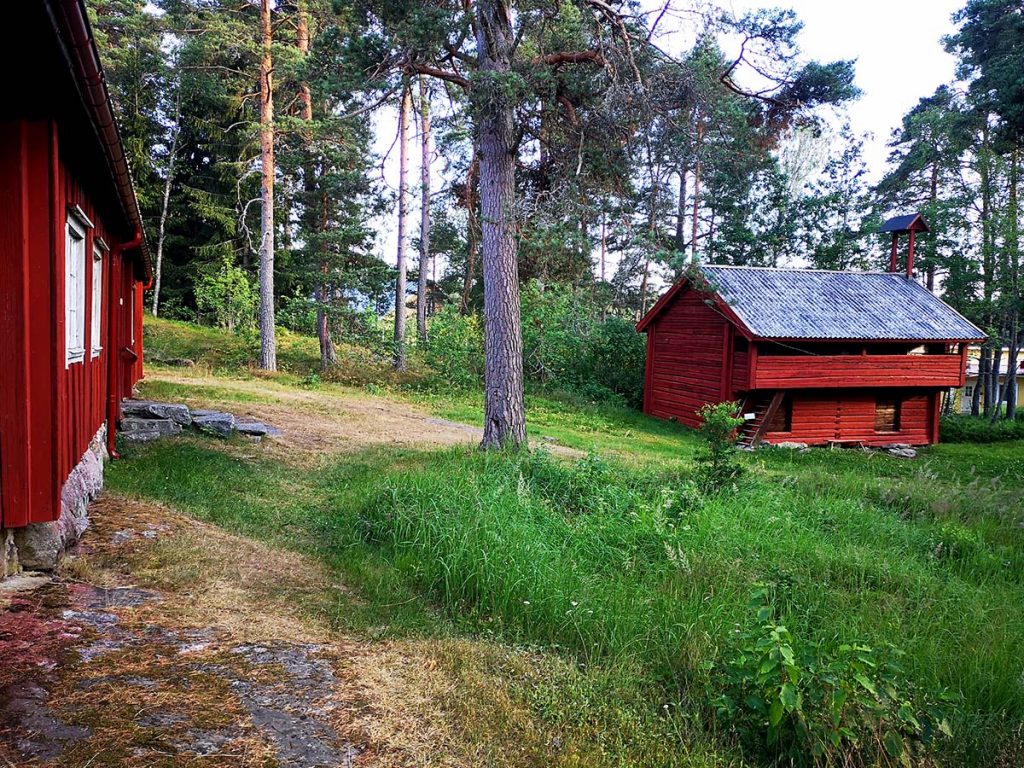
(39, 547)
(8, 555)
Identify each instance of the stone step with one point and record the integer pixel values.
(143, 430)
(256, 428)
(218, 423)
(150, 409)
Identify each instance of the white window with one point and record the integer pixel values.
(97, 301)
(74, 290)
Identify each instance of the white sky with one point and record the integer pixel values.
(896, 45)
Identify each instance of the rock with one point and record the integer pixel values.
(141, 430)
(41, 545)
(214, 422)
(792, 446)
(896, 446)
(8, 554)
(150, 409)
(903, 453)
(257, 429)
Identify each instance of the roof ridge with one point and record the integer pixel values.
(802, 269)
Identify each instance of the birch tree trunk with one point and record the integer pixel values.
(421, 285)
(504, 410)
(172, 158)
(268, 345)
(404, 115)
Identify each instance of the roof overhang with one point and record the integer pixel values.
(713, 300)
(71, 24)
(719, 304)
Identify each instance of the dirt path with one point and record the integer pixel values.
(164, 641)
(201, 666)
(330, 420)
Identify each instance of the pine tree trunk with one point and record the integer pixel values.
(328, 354)
(696, 193)
(681, 212)
(504, 409)
(473, 226)
(933, 247)
(997, 361)
(421, 285)
(405, 113)
(318, 222)
(268, 345)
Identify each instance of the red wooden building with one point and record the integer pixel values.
(73, 270)
(814, 356)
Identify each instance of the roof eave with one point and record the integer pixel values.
(71, 23)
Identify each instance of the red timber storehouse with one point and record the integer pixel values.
(73, 269)
(813, 356)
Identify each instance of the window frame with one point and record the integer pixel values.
(897, 426)
(76, 230)
(99, 251)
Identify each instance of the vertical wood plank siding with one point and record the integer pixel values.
(49, 411)
(688, 359)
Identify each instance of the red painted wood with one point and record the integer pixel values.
(810, 372)
(725, 375)
(686, 357)
(824, 416)
(49, 411)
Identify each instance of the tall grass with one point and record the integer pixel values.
(626, 566)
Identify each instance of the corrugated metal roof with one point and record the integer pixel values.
(817, 304)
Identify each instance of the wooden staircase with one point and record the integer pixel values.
(764, 406)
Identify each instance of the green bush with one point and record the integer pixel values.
(297, 313)
(716, 461)
(455, 348)
(972, 429)
(225, 296)
(567, 345)
(823, 704)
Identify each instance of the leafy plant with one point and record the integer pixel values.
(226, 296)
(716, 461)
(822, 704)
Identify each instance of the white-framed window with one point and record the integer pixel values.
(96, 345)
(74, 289)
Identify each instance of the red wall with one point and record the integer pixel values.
(692, 360)
(49, 411)
(848, 415)
(686, 350)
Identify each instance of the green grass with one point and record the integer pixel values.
(614, 563)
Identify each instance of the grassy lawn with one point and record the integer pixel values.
(617, 565)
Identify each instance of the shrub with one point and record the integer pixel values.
(823, 704)
(616, 359)
(226, 296)
(716, 460)
(960, 428)
(455, 348)
(297, 313)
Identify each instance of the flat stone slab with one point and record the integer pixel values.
(151, 409)
(256, 429)
(903, 453)
(217, 423)
(143, 430)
